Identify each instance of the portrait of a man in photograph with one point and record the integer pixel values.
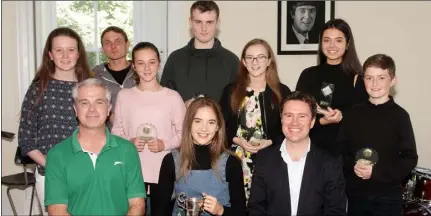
(304, 21)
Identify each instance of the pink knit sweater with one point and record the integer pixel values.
(164, 109)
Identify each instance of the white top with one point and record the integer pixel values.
(93, 157)
(295, 172)
(300, 37)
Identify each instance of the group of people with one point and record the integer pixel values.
(228, 131)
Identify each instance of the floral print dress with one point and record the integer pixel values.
(249, 124)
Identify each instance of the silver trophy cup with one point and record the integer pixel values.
(193, 206)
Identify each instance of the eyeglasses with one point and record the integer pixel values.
(260, 59)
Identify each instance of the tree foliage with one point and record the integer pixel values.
(79, 15)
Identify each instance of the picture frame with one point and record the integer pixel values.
(291, 27)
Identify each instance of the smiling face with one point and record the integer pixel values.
(204, 126)
(304, 18)
(378, 84)
(296, 120)
(256, 60)
(334, 45)
(64, 53)
(92, 107)
(146, 64)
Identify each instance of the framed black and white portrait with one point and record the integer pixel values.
(299, 25)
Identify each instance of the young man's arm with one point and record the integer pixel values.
(136, 206)
(407, 154)
(168, 75)
(135, 183)
(58, 209)
(56, 197)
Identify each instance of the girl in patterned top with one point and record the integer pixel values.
(251, 105)
(47, 114)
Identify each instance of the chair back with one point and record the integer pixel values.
(22, 160)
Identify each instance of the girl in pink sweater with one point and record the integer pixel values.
(149, 102)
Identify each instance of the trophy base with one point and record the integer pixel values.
(191, 212)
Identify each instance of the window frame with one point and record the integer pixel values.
(36, 19)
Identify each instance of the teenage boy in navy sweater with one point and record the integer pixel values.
(378, 144)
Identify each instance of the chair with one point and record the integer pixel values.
(21, 180)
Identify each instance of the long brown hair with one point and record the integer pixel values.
(218, 143)
(46, 69)
(243, 79)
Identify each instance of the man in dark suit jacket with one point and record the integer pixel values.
(302, 29)
(294, 177)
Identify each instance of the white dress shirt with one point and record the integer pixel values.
(295, 171)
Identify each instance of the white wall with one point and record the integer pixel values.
(399, 28)
(10, 109)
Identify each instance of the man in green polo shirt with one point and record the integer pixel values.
(93, 172)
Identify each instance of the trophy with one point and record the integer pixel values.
(256, 138)
(327, 91)
(193, 206)
(367, 156)
(147, 132)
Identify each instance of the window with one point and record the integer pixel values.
(90, 18)
(148, 21)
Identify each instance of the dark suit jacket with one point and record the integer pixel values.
(322, 188)
(313, 36)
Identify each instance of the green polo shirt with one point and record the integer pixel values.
(103, 189)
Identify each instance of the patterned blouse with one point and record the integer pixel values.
(48, 122)
(250, 128)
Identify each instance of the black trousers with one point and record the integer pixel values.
(375, 206)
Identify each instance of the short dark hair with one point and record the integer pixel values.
(304, 97)
(296, 4)
(114, 29)
(141, 46)
(381, 61)
(205, 6)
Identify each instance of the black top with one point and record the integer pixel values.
(119, 76)
(167, 179)
(190, 71)
(270, 113)
(345, 96)
(387, 129)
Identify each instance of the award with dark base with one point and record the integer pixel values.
(327, 91)
(367, 156)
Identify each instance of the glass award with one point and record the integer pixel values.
(147, 132)
(327, 91)
(256, 139)
(366, 156)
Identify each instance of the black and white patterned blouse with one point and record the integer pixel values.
(48, 122)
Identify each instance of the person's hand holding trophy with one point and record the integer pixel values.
(324, 106)
(366, 158)
(147, 136)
